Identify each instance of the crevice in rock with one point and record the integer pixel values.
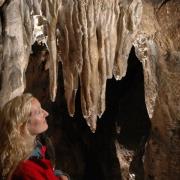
(126, 107)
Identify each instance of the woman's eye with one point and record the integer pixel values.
(38, 112)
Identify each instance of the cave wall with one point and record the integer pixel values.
(92, 39)
(162, 150)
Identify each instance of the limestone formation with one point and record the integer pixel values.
(16, 44)
(92, 39)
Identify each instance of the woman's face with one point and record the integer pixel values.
(37, 123)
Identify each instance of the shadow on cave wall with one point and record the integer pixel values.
(82, 154)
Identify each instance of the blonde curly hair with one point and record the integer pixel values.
(15, 147)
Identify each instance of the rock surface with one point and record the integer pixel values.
(93, 40)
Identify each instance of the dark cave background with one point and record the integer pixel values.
(79, 152)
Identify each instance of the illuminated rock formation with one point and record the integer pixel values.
(92, 39)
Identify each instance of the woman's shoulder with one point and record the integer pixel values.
(34, 164)
(34, 168)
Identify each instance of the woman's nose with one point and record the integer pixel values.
(45, 113)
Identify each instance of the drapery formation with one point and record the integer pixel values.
(95, 38)
(92, 39)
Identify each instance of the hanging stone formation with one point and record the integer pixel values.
(92, 39)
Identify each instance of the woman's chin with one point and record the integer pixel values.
(46, 127)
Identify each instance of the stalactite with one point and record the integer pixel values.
(147, 52)
(104, 39)
(51, 13)
(70, 47)
(92, 39)
(1, 2)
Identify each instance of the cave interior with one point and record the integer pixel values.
(79, 151)
(108, 73)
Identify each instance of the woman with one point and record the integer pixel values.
(22, 119)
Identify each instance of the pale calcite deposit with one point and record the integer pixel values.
(92, 39)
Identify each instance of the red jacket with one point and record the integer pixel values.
(36, 169)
